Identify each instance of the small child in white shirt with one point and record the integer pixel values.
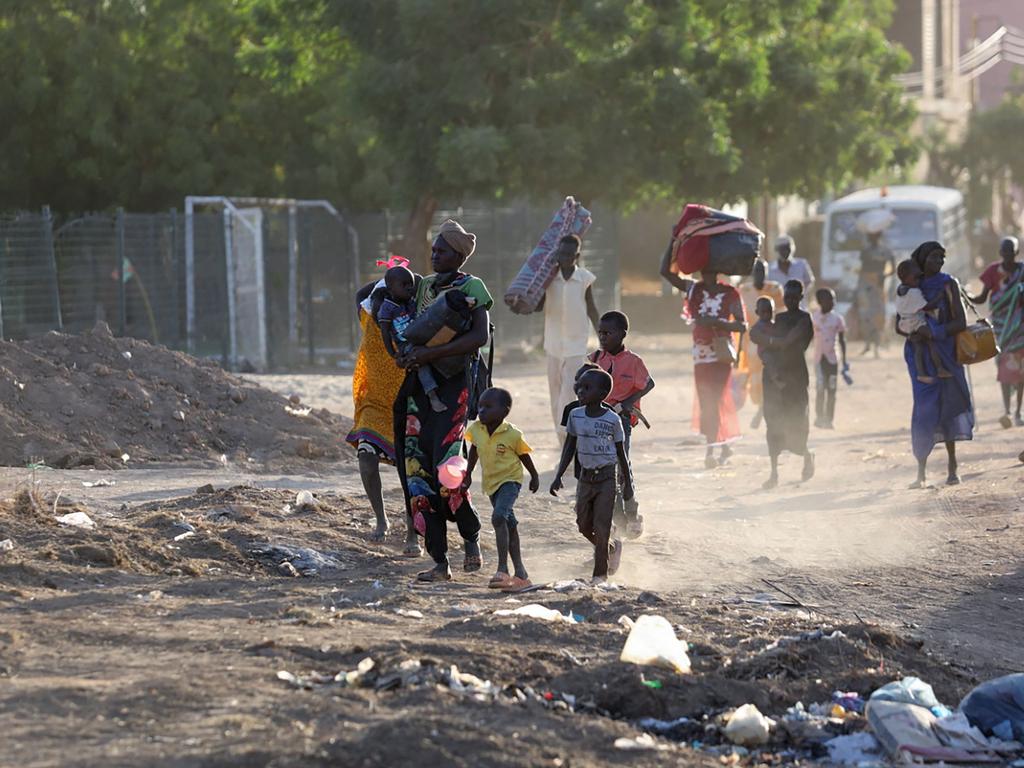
(912, 310)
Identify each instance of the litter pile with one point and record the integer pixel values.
(95, 400)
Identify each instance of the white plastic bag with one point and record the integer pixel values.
(748, 727)
(875, 221)
(76, 519)
(537, 611)
(653, 641)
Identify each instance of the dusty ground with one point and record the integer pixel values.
(152, 651)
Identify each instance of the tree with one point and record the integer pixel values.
(620, 100)
(139, 104)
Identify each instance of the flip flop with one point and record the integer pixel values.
(434, 574)
(515, 584)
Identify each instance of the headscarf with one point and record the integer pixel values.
(920, 254)
(458, 238)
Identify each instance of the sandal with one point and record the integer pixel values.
(437, 573)
(499, 580)
(516, 584)
(472, 563)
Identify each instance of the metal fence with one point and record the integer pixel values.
(260, 283)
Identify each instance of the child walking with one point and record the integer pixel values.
(829, 327)
(595, 436)
(911, 309)
(396, 312)
(770, 358)
(630, 382)
(502, 452)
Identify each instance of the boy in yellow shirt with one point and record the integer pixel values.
(502, 452)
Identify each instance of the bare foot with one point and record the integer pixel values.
(771, 482)
(953, 478)
(726, 454)
(412, 548)
(709, 462)
(380, 532)
(808, 472)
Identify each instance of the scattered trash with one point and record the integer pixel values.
(642, 742)
(125, 457)
(805, 637)
(571, 585)
(308, 562)
(305, 500)
(183, 525)
(572, 657)
(854, 749)
(851, 702)
(748, 727)
(77, 519)
(652, 641)
(907, 731)
(911, 690)
(293, 411)
(126, 355)
(655, 684)
(185, 535)
(463, 682)
(538, 611)
(6, 545)
(101, 483)
(178, 415)
(151, 596)
(285, 569)
(662, 726)
(409, 614)
(997, 707)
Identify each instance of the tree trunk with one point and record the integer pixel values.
(416, 242)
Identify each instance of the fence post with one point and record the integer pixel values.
(293, 281)
(48, 223)
(175, 287)
(306, 251)
(122, 309)
(190, 277)
(229, 276)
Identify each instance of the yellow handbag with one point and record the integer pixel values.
(977, 342)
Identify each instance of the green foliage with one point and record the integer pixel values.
(393, 102)
(990, 155)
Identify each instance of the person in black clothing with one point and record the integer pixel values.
(786, 401)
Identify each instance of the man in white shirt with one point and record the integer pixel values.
(569, 313)
(788, 267)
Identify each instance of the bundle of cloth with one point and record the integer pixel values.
(706, 238)
(528, 287)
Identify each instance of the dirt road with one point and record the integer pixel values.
(124, 646)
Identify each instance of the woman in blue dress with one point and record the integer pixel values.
(943, 411)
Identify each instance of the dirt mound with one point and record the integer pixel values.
(237, 531)
(90, 399)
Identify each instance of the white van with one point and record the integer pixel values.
(921, 213)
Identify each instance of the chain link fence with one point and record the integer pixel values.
(256, 283)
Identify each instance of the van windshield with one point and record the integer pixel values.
(911, 228)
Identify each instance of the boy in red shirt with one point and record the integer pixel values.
(630, 382)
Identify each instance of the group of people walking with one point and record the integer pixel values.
(757, 334)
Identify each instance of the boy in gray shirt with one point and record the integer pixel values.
(595, 437)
